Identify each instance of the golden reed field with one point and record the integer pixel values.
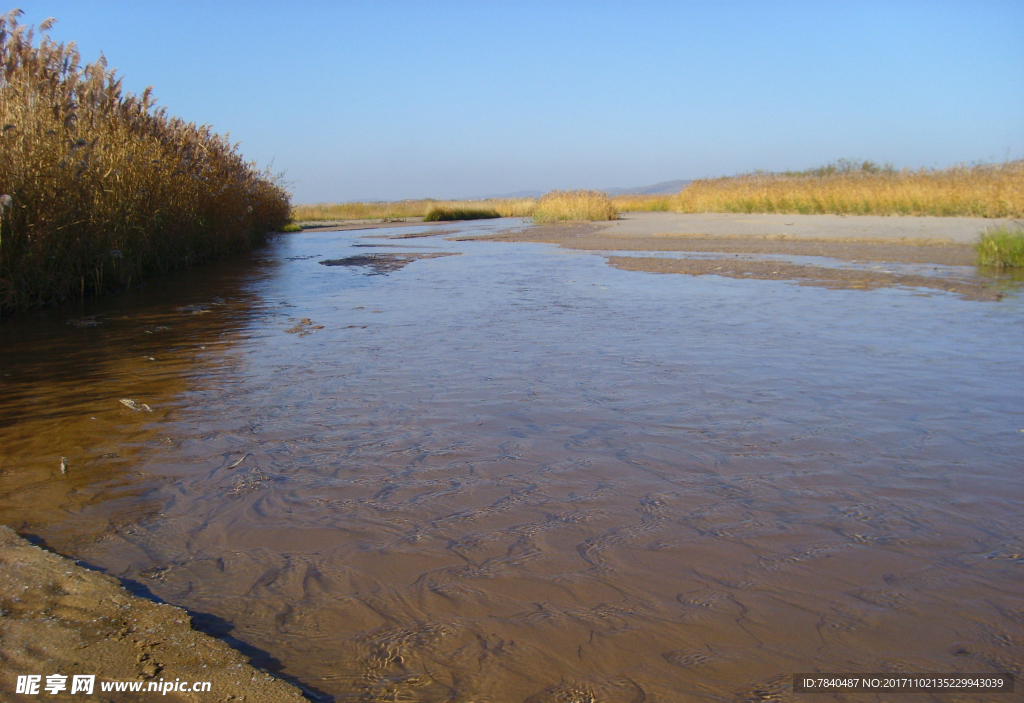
(565, 205)
(98, 188)
(845, 188)
(558, 205)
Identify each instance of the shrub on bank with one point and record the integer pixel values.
(563, 205)
(1002, 247)
(104, 188)
(448, 214)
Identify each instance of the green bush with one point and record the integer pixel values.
(446, 214)
(1002, 247)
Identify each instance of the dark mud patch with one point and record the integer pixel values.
(838, 278)
(384, 263)
(416, 235)
(304, 327)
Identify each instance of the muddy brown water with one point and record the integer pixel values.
(519, 474)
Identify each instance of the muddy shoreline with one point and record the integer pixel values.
(57, 617)
(736, 256)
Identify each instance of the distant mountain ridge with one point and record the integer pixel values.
(663, 188)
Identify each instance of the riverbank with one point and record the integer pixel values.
(833, 251)
(57, 617)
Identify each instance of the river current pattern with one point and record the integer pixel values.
(515, 473)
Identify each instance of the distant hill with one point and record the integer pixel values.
(663, 188)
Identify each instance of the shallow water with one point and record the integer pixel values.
(519, 474)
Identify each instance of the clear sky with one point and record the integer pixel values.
(392, 100)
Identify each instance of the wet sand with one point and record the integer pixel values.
(961, 230)
(597, 237)
(850, 279)
(57, 617)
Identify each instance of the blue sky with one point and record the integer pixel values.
(392, 100)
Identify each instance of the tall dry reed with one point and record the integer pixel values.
(846, 188)
(567, 205)
(104, 187)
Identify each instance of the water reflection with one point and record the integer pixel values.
(73, 382)
(519, 474)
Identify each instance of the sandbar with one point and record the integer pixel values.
(961, 230)
(831, 251)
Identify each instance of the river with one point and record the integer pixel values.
(514, 473)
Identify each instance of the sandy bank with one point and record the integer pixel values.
(962, 230)
(598, 237)
(59, 618)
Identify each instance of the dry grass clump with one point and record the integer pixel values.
(105, 188)
(1002, 247)
(505, 207)
(565, 205)
(848, 188)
